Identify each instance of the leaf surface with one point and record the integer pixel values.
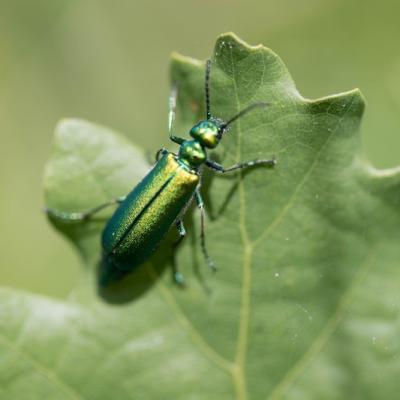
(305, 303)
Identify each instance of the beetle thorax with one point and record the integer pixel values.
(192, 153)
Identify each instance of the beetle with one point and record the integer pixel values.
(145, 215)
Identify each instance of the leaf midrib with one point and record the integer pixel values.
(248, 245)
(237, 368)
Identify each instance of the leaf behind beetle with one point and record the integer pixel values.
(305, 301)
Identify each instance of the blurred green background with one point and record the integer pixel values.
(108, 62)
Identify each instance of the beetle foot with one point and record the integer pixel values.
(179, 279)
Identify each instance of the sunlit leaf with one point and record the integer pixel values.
(305, 303)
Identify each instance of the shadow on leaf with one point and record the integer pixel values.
(120, 287)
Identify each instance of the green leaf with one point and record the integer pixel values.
(305, 304)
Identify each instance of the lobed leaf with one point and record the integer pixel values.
(305, 302)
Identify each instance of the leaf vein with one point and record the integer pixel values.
(43, 370)
(321, 340)
(197, 338)
(300, 185)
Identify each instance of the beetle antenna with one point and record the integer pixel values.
(240, 114)
(207, 88)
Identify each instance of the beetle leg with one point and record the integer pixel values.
(200, 205)
(161, 152)
(149, 157)
(171, 114)
(177, 276)
(242, 165)
(81, 216)
(172, 106)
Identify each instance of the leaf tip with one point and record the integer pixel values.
(66, 125)
(182, 67)
(230, 38)
(357, 98)
(350, 103)
(177, 58)
(387, 176)
(384, 183)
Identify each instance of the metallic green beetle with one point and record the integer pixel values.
(145, 215)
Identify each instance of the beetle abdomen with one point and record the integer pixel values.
(143, 219)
